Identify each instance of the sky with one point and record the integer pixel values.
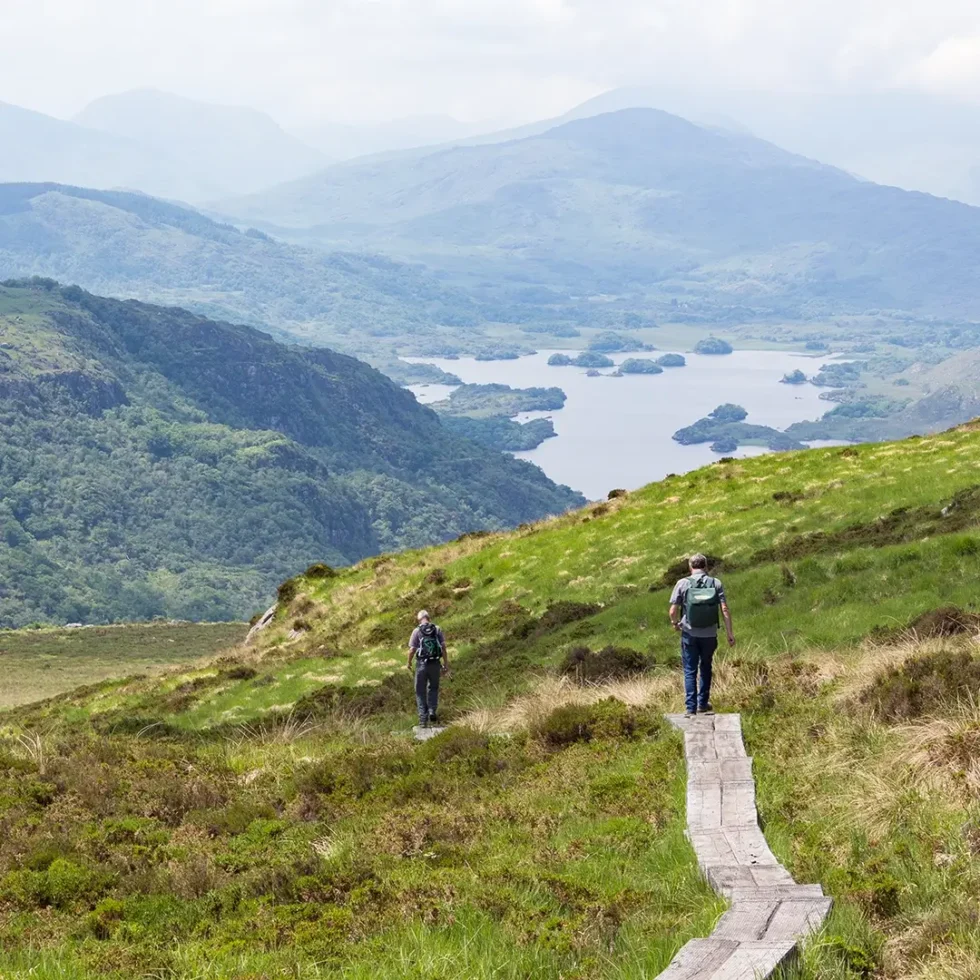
(507, 61)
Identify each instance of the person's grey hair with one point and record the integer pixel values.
(423, 615)
(698, 561)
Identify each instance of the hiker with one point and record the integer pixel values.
(428, 647)
(694, 607)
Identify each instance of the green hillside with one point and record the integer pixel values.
(642, 207)
(266, 814)
(155, 463)
(133, 246)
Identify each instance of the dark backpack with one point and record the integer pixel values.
(429, 646)
(702, 602)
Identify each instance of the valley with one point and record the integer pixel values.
(265, 811)
(393, 399)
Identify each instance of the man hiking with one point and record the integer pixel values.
(428, 648)
(694, 607)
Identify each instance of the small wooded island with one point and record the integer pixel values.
(640, 365)
(713, 345)
(587, 359)
(726, 429)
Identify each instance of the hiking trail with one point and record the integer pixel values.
(770, 913)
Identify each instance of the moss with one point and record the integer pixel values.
(609, 663)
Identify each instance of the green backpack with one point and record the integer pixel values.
(429, 646)
(702, 603)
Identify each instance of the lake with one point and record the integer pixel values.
(616, 432)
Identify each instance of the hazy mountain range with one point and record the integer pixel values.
(135, 246)
(644, 204)
(225, 145)
(181, 148)
(156, 143)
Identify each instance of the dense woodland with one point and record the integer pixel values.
(155, 463)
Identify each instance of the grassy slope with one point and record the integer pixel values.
(285, 795)
(43, 663)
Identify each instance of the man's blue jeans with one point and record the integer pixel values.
(696, 655)
(427, 676)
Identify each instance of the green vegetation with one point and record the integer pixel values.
(640, 365)
(796, 377)
(501, 433)
(410, 373)
(592, 359)
(483, 413)
(712, 345)
(40, 663)
(672, 360)
(498, 354)
(609, 342)
(154, 463)
(588, 359)
(726, 430)
(133, 246)
(728, 413)
(267, 813)
(484, 401)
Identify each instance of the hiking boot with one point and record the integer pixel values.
(433, 720)
(423, 722)
(706, 710)
(690, 714)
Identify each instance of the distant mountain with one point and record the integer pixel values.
(37, 147)
(642, 203)
(155, 463)
(232, 149)
(130, 245)
(344, 142)
(914, 140)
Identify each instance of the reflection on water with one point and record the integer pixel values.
(616, 432)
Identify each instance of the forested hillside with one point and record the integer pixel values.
(153, 462)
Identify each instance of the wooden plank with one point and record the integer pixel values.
(704, 806)
(700, 745)
(753, 960)
(728, 745)
(738, 805)
(725, 879)
(699, 958)
(712, 848)
(770, 893)
(794, 920)
(720, 770)
(749, 846)
(729, 723)
(745, 920)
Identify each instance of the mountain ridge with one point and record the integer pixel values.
(232, 145)
(667, 208)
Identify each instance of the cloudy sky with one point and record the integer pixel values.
(500, 60)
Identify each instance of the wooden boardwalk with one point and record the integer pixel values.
(770, 913)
